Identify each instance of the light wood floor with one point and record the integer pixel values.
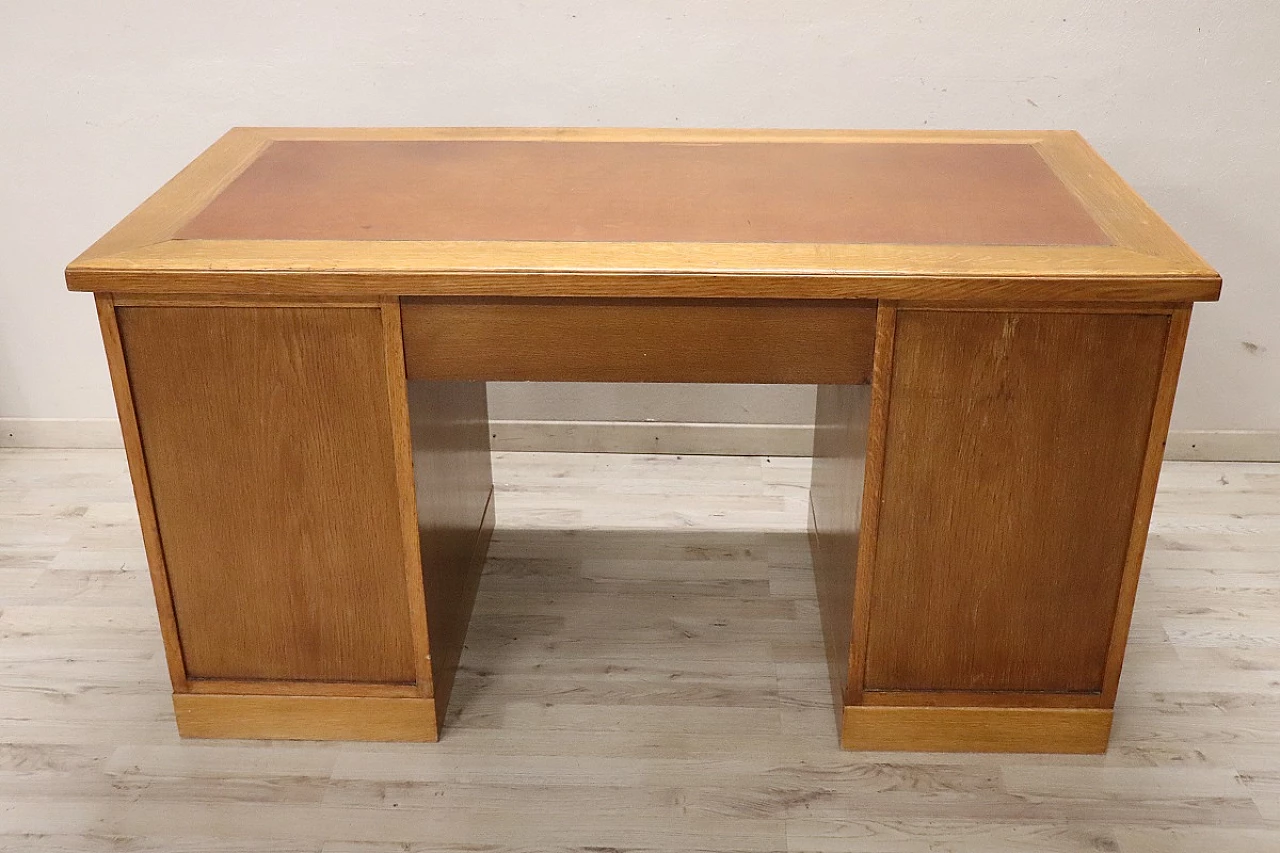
(644, 672)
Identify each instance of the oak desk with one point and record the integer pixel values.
(300, 325)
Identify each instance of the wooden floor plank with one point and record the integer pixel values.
(644, 671)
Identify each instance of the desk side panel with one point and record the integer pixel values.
(268, 443)
(141, 490)
(835, 500)
(1015, 445)
(449, 422)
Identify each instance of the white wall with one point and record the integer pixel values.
(101, 102)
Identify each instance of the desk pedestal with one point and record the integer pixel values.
(300, 533)
(316, 517)
(993, 489)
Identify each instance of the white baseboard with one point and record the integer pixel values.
(719, 439)
(714, 439)
(1223, 445)
(690, 439)
(60, 432)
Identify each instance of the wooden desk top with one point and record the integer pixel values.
(918, 215)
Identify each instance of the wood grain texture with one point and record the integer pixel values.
(263, 687)
(581, 270)
(1147, 261)
(204, 300)
(649, 134)
(1179, 322)
(406, 490)
(365, 718)
(267, 437)
(160, 216)
(678, 340)
(1111, 201)
(454, 488)
(841, 423)
(1005, 574)
(1066, 730)
(128, 415)
(872, 499)
(989, 699)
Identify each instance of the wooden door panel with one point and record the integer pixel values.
(267, 438)
(1014, 448)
